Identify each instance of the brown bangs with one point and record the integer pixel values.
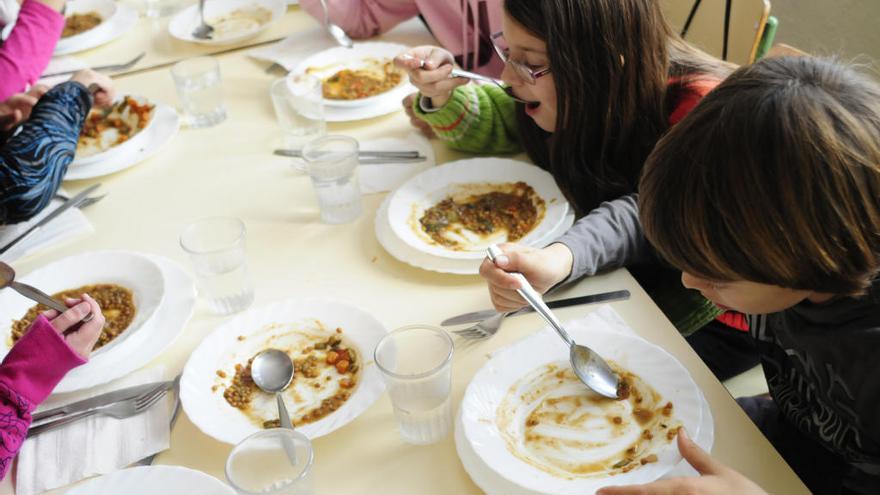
(773, 178)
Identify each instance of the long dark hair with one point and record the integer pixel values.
(612, 61)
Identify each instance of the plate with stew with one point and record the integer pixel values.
(92, 23)
(335, 379)
(359, 76)
(458, 209)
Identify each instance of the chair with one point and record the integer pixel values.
(728, 29)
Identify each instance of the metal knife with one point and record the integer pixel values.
(618, 295)
(101, 400)
(361, 154)
(48, 218)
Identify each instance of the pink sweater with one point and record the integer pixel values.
(33, 367)
(27, 51)
(451, 22)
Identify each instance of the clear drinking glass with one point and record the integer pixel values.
(261, 465)
(200, 89)
(416, 364)
(217, 249)
(299, 107)
(331, 162)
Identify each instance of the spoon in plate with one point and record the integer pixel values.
(589, 367)
(335, 31)
(204, 30)
(7, 279)
(272, 371)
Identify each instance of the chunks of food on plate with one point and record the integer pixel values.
(106, 128)
(374, 77)
(117, 306)
(239, 21)
(484, 210)
(79, 23)
(326, 370)
(551, 421)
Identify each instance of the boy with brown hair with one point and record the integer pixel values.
(767, 197)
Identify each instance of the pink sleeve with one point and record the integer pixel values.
(30, 371)
(27, 51)
(363, 18)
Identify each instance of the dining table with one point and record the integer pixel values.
(229, 170)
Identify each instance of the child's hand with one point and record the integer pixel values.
(543, 268)
(715, 478)
(82, 339)
(17, 108)
(428, 68)
(105, 92)
(416, 122)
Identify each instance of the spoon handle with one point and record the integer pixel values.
(284, 419)
(39, 296)
(533, 298)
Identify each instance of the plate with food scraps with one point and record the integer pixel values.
(335, 380)
(358, 76)
(163, 126)
(458, 209)
(128, 286)
(533, 423)
(232, 20)
(110, 131)
(91, 23)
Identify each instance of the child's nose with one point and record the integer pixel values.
(692, 282)
(510, 77)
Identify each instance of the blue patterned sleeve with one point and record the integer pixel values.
(33, 162)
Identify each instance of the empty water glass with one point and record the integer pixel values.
(416, 364)
(200, 89)
(261, 465)
(217, 249)
(331, 162)
(299, 107)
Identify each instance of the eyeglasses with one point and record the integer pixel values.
(522, 70)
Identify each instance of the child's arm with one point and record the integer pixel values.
(363, 19)
(27, 51)
(34, 161)
(30, 371)
(478, 118)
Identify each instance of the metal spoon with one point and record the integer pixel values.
(202, 31)
(335, 31)
(7, 279)
(272, 371)
(592, 370)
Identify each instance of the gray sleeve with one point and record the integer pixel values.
(608, 237)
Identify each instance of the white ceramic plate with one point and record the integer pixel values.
(328, 62)
(215, 417)
(134, 271)
(163, 127)
(491, 384)
(136, 141)
(425, 190)
(493, 484)
(150, 480)
(183, 24)
(118, 20)
(419, 259)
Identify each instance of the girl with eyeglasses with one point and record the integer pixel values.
(590, 86)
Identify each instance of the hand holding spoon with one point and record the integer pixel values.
(7, 279)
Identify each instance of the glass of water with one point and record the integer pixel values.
(200, 90)
(416, 364)
(331, 162)
(272, 462)
(299, 107)
(217, 249)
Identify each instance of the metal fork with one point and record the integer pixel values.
(118, 410)
(88, 201)
(103, 68)
(484, 329)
